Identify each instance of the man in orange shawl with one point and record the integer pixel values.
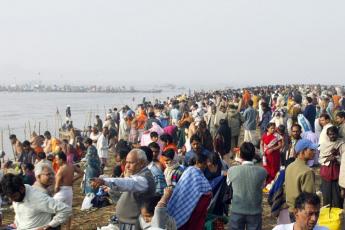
(141, 121)
(52, 145)
(246, 97)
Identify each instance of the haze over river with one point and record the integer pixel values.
(26, 110)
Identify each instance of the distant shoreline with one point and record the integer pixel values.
(82, 91)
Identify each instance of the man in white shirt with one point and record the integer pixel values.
(123, 129)
(94, 135)
(175, 115)
(325, 122)
(103, 147)
(33, 209)
(307, 211)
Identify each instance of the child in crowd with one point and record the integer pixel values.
(154, 137)
(28, 173)
(173, 170)
(154, 213)
(121, 150)
(156, 154)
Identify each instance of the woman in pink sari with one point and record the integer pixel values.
(271, 143)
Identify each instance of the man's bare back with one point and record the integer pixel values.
(64, 182)
(65, 175)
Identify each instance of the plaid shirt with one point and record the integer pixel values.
(176, 175)
(191, 186)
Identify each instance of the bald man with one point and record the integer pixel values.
(137, 185)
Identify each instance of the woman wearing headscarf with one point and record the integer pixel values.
(271, 143)
(330, 157)
(93, 165)
(205, 136)
(183, 125)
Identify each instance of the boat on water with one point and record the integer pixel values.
(149, 91)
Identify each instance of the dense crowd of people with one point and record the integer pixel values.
(183, 164)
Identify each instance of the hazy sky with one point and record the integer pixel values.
(211, 42)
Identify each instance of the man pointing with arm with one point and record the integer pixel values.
(137, 185)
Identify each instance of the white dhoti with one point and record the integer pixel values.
(250, 136)
(65, 194)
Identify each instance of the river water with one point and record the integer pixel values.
(21, 113)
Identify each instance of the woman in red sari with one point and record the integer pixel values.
(271, 143)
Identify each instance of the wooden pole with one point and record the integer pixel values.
(35, 126)
(25, 131)
(29, 129)
(2, 145)
(55, 124)
(90, 114)
(85, 120)
(9, 133)
(39, 128)
(2, 139)
(59, 120)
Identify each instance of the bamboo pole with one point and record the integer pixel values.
(85, 121)
(2, 145)
(9, 133)
(29, 129)
(55, 124)
(25, 131)
(90, 114)
(2, 139)
(56, 120)
(39, 128)
(35, 126)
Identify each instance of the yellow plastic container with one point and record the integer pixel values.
(331, 218)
